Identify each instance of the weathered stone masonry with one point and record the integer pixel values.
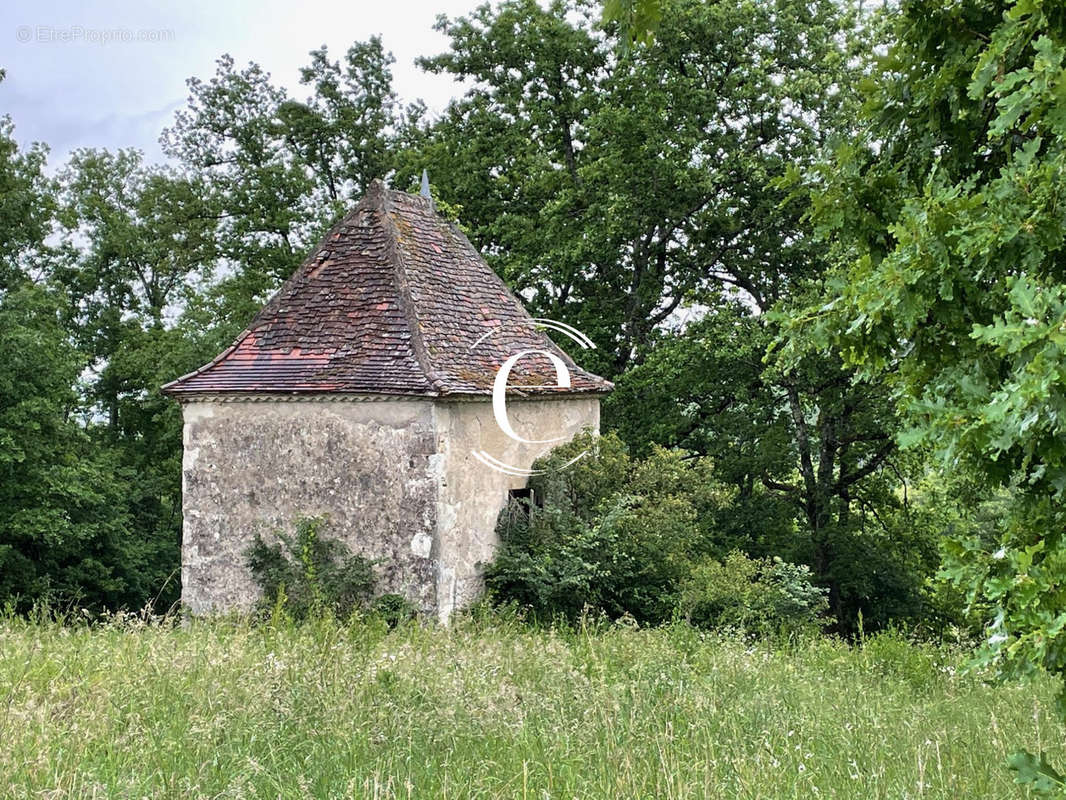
(361, 392)
(256, 466)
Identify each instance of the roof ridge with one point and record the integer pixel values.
(406, 302)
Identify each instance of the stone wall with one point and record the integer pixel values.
(256, 466)
(398, 480)
(473, 494)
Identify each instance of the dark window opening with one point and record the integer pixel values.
(522, 498)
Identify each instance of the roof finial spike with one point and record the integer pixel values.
(425, 186)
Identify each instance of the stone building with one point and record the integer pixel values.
(363, 391)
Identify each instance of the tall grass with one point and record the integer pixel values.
(491, 708)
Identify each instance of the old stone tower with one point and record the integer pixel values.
(363, 390)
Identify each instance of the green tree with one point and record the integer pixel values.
(142, 240)
(27, 205)
(946, 210)
(612, 192)
(810, 453)
(63, 531)
(342, 132)
(139, 245)
(278, 171)
(64, 535)
(230, 137)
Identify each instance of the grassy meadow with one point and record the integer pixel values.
(492, 708)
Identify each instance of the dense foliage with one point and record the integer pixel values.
(65, 536)
(809, 453)
(613, 193)
(820, 253)
(764, 596)
(306, 572)
(945, 210)
(637, 537)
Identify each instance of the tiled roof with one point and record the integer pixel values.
(394, 300)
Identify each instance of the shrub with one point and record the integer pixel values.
(394, 609)
(893, 655)
(763, 596)
(307, 574)
(609, 534)
(628, 537)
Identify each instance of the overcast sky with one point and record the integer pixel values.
(73, 82)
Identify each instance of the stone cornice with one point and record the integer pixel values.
(344, 397)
